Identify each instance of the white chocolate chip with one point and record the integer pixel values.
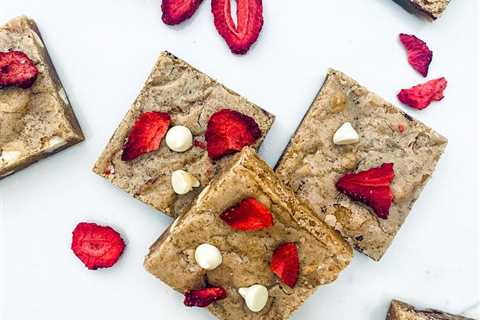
(331, 220)
(54, 143)
(346, 134)
(183, 182)
(179, 139)
(9, 156)
(256, 297)
(208, 257)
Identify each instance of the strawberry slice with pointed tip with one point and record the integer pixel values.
(419, 55)
(228, 131)
(285, 263)
(177, 11)
(242, 35)
(371, 187)
(203, 297)
(248, 215)
(146, 134)
(97, 246)
(16, 69)
(421, 96)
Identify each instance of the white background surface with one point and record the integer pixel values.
(104, 50)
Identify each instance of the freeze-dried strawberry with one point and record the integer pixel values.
(177, 11)
(419, 55)
(228, 131)
(372, 187)
(420, 96)
(97, 246)
(200, 144)
(146, 134)
(245, 32)
(248, 215)
(285, 263)
(203, 297)
(16, 69)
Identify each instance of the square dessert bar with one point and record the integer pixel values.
(402, 311)
(246, 256)
(190, 98)
(432, 9)
(383, 142)
(36, 119)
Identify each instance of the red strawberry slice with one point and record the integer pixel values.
(97, 246)
(422, 95)
(285, 263)
(146, 135)
(228, 131)
(177, 11)
(372, 187)
(203, 297)
(241, 36)
(248, 215)
(419, 55)
(16, 69)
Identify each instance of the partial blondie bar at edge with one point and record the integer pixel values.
(431, 9)
(37, 121)
(402, 311)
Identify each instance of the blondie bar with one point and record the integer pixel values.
(431, 9)
(402, 311)
(263, 265)
(36, 118)
(359, 162)
(187, 99)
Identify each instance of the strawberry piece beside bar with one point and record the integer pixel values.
(177, 11)
(241, 35)
(421, 96)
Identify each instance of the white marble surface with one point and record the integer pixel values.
(104, 50)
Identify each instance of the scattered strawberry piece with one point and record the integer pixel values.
(248, 215)
(419, 55)
(97, 246)
(401, 128)
(420, 96)
(16, 69)
(285, 263)
(228, 131)
(146, 134)
(371, 187)
(203, 297)
(241, 36)
(177, 11)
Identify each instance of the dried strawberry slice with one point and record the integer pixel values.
(420, 96)
(285, 263)
(419, 55)
(97, 246)
(248, 215)
(177, 11)
(371, 187)
(146, 135)
(241, 36)
(16, 69)
(203, 297)
(228, 131)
